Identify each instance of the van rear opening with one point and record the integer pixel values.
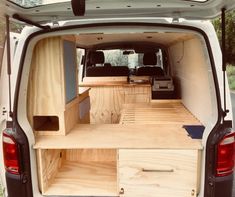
(121, 114)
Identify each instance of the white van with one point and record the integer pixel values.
(115, 98)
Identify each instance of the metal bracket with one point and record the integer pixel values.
(4, 111)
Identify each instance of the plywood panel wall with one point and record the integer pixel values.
(107, 102)
(191, 74)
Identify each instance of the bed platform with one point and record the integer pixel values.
(107, 159)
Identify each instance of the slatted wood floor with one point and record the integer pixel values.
(157, 112)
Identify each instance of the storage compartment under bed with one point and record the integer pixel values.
(83, 172)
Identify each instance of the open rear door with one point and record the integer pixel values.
(48, 10)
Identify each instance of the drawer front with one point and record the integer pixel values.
(158, 173)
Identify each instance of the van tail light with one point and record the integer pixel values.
(225, 155)
(10, 153)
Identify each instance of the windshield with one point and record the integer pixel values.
(34, 3)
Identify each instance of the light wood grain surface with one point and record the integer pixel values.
(157, 112)
(158, 173)
(107, 101)
(49, 161)
(47, 88)
(85, 179)
(121, 136)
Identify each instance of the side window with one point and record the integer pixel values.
(80, 61)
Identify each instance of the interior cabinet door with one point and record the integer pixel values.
(158, 173)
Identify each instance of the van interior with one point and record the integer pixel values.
(120, 114)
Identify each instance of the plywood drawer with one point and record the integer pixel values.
(158, 173)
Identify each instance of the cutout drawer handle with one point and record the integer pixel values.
(157, 170)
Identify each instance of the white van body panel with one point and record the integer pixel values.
(4, 99)
(22, 115)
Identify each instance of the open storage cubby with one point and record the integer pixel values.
(73, 172)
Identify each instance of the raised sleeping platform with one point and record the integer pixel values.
(112, 159)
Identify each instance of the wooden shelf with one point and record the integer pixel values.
(121, 136)
(85, 179)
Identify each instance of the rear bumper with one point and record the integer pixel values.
(223, 186)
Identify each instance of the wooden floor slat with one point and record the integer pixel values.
(157, 112)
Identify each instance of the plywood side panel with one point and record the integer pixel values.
(190, 69)
(49, 161)
(91, 155)
(71, 117)
(106, 104)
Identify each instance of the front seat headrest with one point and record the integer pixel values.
(150, 58)
(97, 57)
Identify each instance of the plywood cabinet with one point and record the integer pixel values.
(119, 160)
(118, 172)
(53, 86)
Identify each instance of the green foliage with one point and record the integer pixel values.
(231, 76)
(230, 35)
(1, 191)
(14, 27)
(230, 70)
(2, 31)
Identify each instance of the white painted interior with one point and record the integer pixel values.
(190, 71)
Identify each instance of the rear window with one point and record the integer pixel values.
(34, 3)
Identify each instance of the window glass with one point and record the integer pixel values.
(80, 59)
(130, 58)
(33, 3)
